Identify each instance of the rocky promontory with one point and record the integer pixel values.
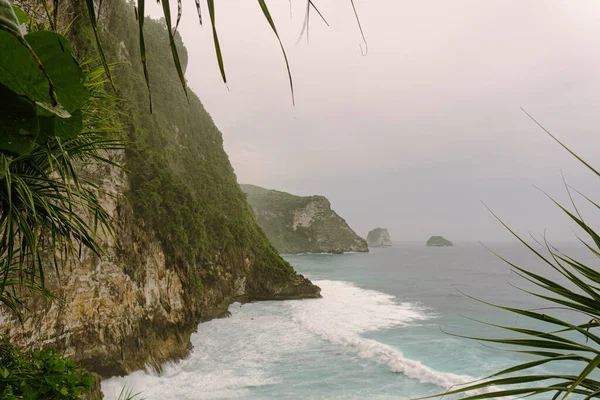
(185, 245)
(438, 241)
(302, 224)
(379, 237)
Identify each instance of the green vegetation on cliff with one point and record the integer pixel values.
(183, 187)
(185, 245)
(296, 224)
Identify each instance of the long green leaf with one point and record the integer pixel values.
(48, 14)
(362, 33)
(529, 332)
(179, 12)
(530, 391)
(532, 364)
(586, 271)
(141, 15)
(55, 13)
(536, 316)
(561, 143)
(211, 13)
(593, 235)
(199, 11)
(267, 14)
(592, 395)
(548, 284)
(174, 53)
(586, 197)
(41, 192)
(584, 374)
(94, 24)
(305, 27)
(584, 286)
(579, 303)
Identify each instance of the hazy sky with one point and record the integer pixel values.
(413, 136)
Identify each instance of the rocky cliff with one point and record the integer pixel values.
(438, 241)
(296, 224)
(186, 242)
(379, 237)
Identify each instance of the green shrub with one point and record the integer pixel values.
(40, 374)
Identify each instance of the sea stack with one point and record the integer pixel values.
(379, 237)
(439, 241)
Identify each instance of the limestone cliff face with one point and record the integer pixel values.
(131, 308)
(185, 245)
(379, 237)
(296, 224)
(116, 313)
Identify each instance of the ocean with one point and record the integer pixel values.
(384, 329)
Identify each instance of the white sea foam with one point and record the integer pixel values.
(269, 344)
(347, 311)
(177, 383)
(230, 357)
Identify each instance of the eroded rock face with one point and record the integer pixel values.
(138, 303)
(130, 308)
(379, 237)
(297, 224)
(304, 217)
(114, 313)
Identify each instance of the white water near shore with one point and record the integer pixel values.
(232, 355)
(347, 311)
(375, 334)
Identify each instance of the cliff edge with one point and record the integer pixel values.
(186, 242)
(297, 224)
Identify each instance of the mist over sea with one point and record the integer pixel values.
(381, 330)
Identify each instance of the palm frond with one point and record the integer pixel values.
(94, 24)
(174, 52)
(47, 205)
(578, 293)
(93, 18)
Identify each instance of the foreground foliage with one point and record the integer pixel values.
(55, 117)
(41, 374)
(576, 297)
(55, 121)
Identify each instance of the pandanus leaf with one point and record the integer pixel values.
(267, 14)
(174, 53)
(211, 13)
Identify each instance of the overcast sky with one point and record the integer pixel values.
(414, 135)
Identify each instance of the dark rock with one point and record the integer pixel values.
(438, 241)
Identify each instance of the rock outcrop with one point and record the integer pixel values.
(185, 244)
(379, 237)
(297, 224)
(438, 241)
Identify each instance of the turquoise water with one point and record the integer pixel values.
(379, 332)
